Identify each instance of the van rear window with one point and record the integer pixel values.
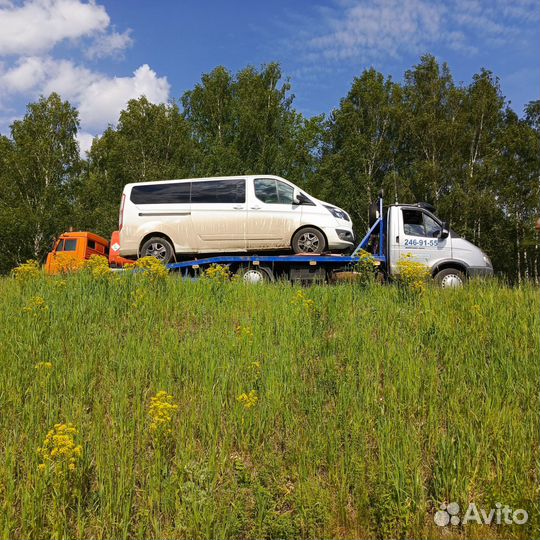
(219, 191)
(170, 193)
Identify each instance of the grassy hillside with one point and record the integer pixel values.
(324, 412)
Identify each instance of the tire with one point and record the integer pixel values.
(158, 247)
(308, 240)
(450, 278)
(254, 274)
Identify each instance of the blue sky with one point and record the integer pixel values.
(100, 54)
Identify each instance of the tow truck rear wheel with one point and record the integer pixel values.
(255, 274)
(450, 278)
(158, 247)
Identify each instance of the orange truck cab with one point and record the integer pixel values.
(72, 248)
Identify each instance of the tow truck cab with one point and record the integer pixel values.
(414, 230)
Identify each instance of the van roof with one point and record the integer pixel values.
(232, 177)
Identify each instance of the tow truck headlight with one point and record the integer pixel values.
(338, 213)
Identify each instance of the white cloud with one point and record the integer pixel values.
(99, 98)
(28, 34)
(112, 44)
(100, 103)
(367, 29)
(38, 25)
(85, 142)
(24, 76)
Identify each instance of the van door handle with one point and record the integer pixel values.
(255, 207)
(238, 207)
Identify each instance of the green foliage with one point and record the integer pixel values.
(39, 169)
(457, 146)
(245, 124)
(370, 411)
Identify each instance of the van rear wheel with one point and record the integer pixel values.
(158, 247)
(308, 240)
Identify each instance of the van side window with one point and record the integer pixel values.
(272, 191)
(266, 190)
(169, 193)
(60, 246)
(285, 193)
(219, 191)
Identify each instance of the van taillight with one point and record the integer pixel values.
(121, 219)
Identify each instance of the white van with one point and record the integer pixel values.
(225, 215)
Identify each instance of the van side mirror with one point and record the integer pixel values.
(299, 197)
(444, 231)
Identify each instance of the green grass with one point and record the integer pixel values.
(373, 409)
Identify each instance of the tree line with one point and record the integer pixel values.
(460, 147)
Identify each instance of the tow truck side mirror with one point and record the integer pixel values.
(444, 231)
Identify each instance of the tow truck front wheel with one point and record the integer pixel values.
(158, 247)
(450, 278)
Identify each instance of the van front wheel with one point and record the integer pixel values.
(308, 240)
(158, 247)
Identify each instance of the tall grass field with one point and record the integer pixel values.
(133, 407)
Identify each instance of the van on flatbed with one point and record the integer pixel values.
(234, 214)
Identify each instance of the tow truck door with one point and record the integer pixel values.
(419, 234)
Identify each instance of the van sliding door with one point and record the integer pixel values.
(219, 214)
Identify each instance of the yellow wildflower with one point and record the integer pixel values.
(98, 266)
(248, 400)
(412, 275)
(243, 331)
(28, 270)
(43, 366)
(36, 306)
(255, 366)
(301, 299)
(161, 410)
(67, 262)
(59, 451)
(217, 273)
(153, 269)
